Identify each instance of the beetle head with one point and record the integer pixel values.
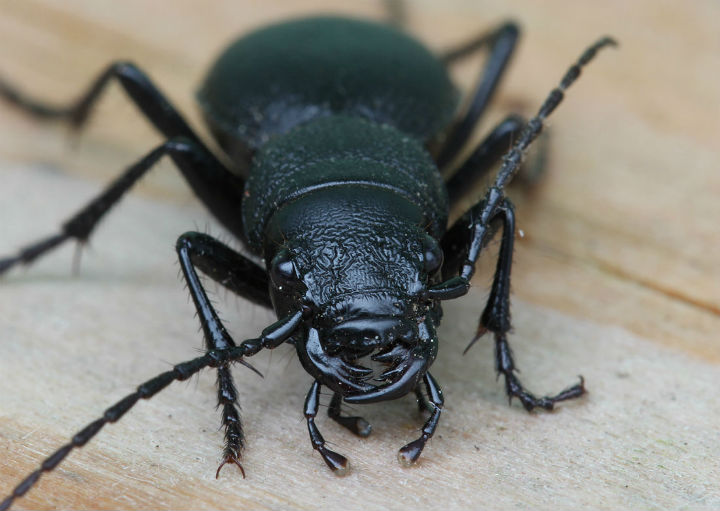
(370, 331)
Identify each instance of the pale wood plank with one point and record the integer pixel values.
(617, 278)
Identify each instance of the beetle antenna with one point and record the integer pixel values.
(180, 372)
(512, 160)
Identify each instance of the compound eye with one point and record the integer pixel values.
(432, 255)
(282, 270)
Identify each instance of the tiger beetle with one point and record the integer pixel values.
(343, 134)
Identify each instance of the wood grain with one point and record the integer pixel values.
(617, 278)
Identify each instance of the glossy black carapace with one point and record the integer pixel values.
(343, 134)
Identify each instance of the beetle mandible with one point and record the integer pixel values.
(343, 132)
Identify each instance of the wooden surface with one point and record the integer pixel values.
(617, 278)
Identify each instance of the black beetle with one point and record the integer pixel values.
(341, 131)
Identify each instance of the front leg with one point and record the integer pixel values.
(240, 275)
(410, 453)
(496, 319)
(337, 462)
(496, 316)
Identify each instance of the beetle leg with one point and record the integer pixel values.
(227, 267)
(200, 168)
(337, 462)
(153, 103)
(423, 404)
(218, 188)
(217, 261)
(502, 45)
(480, 218)
(496, 316)
(356, 425)
(191, 248)
(410, 453)
(481, 221)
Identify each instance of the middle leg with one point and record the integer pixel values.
(196, 163)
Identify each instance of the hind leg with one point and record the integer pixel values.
(483, 159)
(218, 188)
(501, 43)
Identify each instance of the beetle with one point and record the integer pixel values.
(342, 132)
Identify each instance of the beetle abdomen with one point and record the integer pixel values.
(342, 151)
(280, 76)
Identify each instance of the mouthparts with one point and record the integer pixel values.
(405, 365)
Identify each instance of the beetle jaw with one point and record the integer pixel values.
(410, 372)
(403, 360)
